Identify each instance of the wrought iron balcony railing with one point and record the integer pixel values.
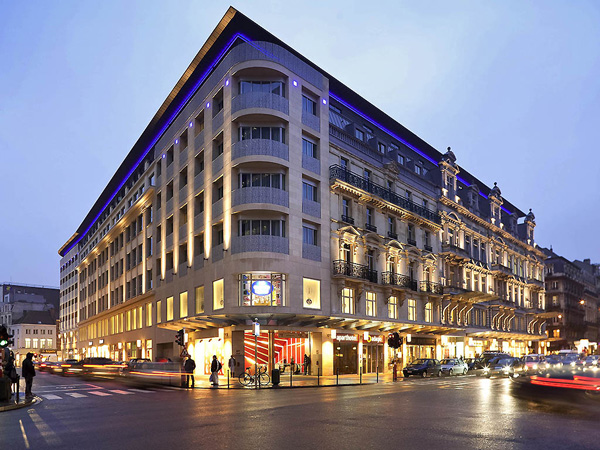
(348, 219)
(392, 235)
(412, 242)
(397, 279)
(430, 286)
(371, 227)
(345, 175)
(341, 267)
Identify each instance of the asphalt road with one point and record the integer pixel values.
(459, 412)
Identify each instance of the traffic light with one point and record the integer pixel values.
(394, 340)
(5, 338)
(179, 339)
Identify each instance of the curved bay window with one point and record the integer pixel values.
(268, 133)
(262, 289)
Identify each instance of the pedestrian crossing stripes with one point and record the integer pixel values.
(101, 393)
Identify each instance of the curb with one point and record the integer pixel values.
(20, 405)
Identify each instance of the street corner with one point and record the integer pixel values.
(21, 403)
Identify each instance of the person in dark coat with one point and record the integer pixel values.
(189, 367)
(215, 366)
(306, 364)
(28, 374)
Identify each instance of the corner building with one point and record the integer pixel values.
(265, 189)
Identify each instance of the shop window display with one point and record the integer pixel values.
(262, 289)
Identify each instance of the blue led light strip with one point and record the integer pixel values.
(169, 123)
(409, 145)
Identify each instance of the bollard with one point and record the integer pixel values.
(360, 375)
(377, 370)
(318, 375)
(337, 376)
(291, 374)
(228, 378)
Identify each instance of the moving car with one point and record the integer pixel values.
(454, 366)
(60, 367)
(533, 362)
(591, 361)
(502, 366)
(100, 367)
(423, 367)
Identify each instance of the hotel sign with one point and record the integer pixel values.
(374, 339)
(346, 337)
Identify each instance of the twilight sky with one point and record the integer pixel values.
(512, 86)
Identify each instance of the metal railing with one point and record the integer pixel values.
(345, 175)
(392, 235)
(341, 267)
(348, 219)
(397, 279)
(370, 227)
(430, 286)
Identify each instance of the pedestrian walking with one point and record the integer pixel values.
(231, 365)
(306, 364)
(189, 367)
(28, 374)
(215, 367)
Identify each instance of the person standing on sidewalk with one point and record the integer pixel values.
(28, 374)
(215, 367)
(189, 367)
(231, 365)
(306, 364)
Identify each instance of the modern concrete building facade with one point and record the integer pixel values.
(265, 189)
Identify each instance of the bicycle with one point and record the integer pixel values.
(247, 379)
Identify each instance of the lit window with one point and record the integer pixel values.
(412, 309)
(262, 289)
(149, 314)
(311, 293)
(393, 308)
(158, 312)
(199, 299)
(348, 301)
(428, 312)
(183, 304)
(169, 308)
(371, 299)
(218, 294)
(27, 342)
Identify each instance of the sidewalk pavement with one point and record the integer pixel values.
(18, 401)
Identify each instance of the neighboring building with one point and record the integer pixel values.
(17, 299)
(572, 293)
(34, 332)
(265, 188)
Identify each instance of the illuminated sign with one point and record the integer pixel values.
(374, 339)
(346, 337)
(101, 341)
(262, 287)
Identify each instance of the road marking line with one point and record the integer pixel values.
(24, 434)
(122, 392)
(142, 391)
(75, 394)
(49, 436)
(51, 397)
(100, 393)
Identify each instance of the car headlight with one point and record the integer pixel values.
(486, 369)
(534, 367)
(573, 364)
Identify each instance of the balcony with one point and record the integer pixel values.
(217, 121)
(311, 121)
(348, 219)
(431, 287)
(455, 251)
(199, 221)
(217, 164)
(312, 252)
(350, 140)
(183, 158)
(370, 227)
(411, 242)
(260, 100)
(260, 194)
(260, 147)
(217, 208)
(348, 269)
(199, 181)
(312, 164)
(392, 235)
(536, 283)
(311, 208)
(428, 248)
(501, 269)
(199, 140)
(269, 244)
(396, 279)
(339, 173)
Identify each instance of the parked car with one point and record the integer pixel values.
(454, 366)
(423, 367)
(503, 366)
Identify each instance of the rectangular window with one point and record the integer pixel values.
(218, 294)
(359, 134)
(309, 148)
(309, 236)
(183, 304)
(348, 301)
(393, 308)
(309, 106)
(149, 314)
(169, 308)
(412, 309)
(381, 147)
(199, 299)
(371, 299)
(428, 312)
(311, 293)
(262, 289)
(309, 191)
